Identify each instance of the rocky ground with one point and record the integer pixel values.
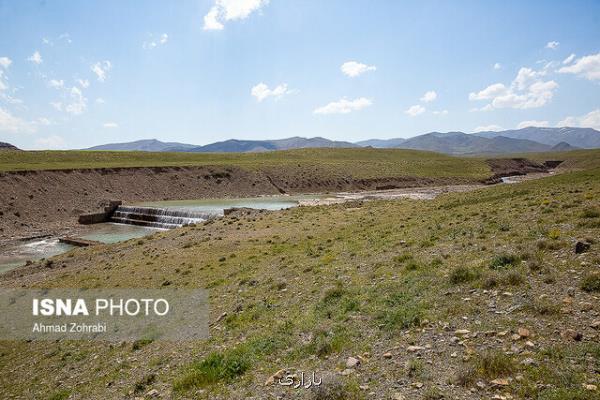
(485, 294)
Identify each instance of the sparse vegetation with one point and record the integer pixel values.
(312, 286)
(591, 282)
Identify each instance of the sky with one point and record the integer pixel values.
(78, 74)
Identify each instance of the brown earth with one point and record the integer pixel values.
(36, 202)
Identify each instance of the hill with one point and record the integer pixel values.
(382, 143)
(143, 145)
(462, 143)
(586, 138)
(7, 146)
(241, 146)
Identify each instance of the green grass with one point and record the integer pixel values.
(361, 163)
(216, 367)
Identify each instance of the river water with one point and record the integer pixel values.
(17, 254)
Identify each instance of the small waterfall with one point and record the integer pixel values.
(157, 217)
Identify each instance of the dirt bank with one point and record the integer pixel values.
(33, 202)
(503, 167)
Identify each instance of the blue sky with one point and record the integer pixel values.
(77, 74)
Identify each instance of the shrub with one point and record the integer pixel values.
(553, 234)
(402, 312)
(590, 213)
(462, 274)
(591, 282)
(216, 367)
(503, 261)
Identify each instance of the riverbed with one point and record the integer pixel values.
(18, 253)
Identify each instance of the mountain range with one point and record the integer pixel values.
(531, 139)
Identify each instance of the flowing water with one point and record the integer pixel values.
(177, 213)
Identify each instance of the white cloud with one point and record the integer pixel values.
(429, 96)
(110, 125)
(84, 83)
(3, 85)
(354, 69)
(486, 128)
(78, 102)
(527, 90)
(344, 106)
(56, 84)
(526, 124)
(36, 58)
(262, 91)
(154, 43)
(5, 62)
(589, 120)
(101, 69)
(57, 105)
(100, 100)
(552, 45)
(569, 59)
(489, 92)
(43, 121)
(497, 66)
(211, 20)
(415, 110)
(442, 112)
(527, 76)
(588, 67)
(230, 10)
(51, 143)
(10, 123)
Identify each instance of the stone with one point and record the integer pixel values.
(462, 332)
(590, 387)
(572, 334)
(276, 375)
(413, 349)
(454, 355)
(152, 393)
(586, 306)
(352, 362)
(397, 396)
(581, 247)
(595, 324)
(524, 333)
(528, 361)
(500, 382)
(387, 355)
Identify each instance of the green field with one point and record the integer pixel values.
(360, 163)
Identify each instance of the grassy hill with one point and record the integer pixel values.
(360, 163)
(470, 295)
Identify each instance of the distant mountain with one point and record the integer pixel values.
(382, 144)
(143, 145)
(586, 138)
(564, 146)
(7, 146)
(462, 143)
(532, 139)
(239, 146)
